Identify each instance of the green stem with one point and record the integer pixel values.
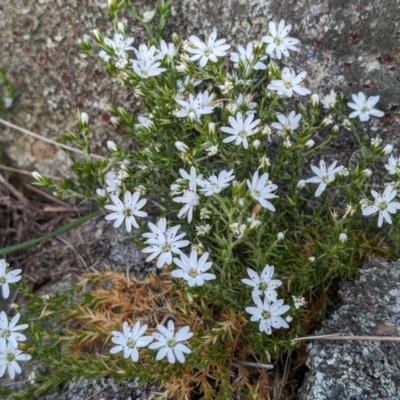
(59, 231)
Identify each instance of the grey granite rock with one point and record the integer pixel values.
(359, 370)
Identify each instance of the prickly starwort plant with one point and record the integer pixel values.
(230, 194)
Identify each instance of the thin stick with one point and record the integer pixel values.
(13, 190)
(338, 336)
(36, 136)
(45, 195)
(253, 364)
(23, 172)
(66, 209)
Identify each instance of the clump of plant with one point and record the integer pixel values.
(233, 195)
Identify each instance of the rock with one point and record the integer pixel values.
(359, 370)
(348, 45)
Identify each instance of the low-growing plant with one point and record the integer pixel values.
(232, 192)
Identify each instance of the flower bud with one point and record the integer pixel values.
(98, 36)
(7, 101)
(121, 27)
(314, 100)
(366, 172)
(101, 192)
(301, 183)
(112, 146)
(387, 149)
(256, 144)
(342, 238)
(280, 236)
(328, 120)
(83, 118)
(181, 147)
(211, 128)
(335, 130)
(311, 259)
(310, 143)
(36, 175)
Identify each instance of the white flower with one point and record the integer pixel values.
(268, 313)
(169, 344)
(226, 87)
(287, 144)
(329, 100)
(210, 51)
(299, 301)
(266, 130)
(287, 124)
(144, 122)
(130, 340)
(8, 360)
(240, 130)
(264, 162)
(280, 236)
(246, 57)
(205, 213)
(260, 190)
(364, 107)
(237, 229)
(254, 221)
(142, 190)
(393, 165)
(147, 63)
(184, 85)
(311, 259)
(7, 277)
(232, 108)
(246, 104)
(192, 270)
(119, 46)
(163, 242)
(387, 149)
(195, 107)
(375, 142)
(190, 198)
(212, 150)
(263, 285)
(324, 176)
(148, 16)
(342, 238)
(126, 210)
(202, 230)
(113, 183)
(9, 330)
(277, 40)
(214, 185)
(289, 83)
(383, 204)
(166, 51)
(350, 210)
(328, 120)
